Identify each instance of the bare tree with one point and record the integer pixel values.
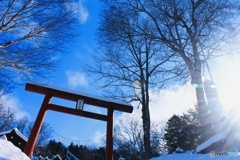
(7, 118)
(45, 134)
(193, 29)
(129, 139)
(22, 124)
(128, 65)
(32, 35)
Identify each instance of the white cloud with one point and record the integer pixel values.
(78, 10)
(76, 79)
(99, 139)
(83, 13)
(13, 103)
(175, 100)
(164, 104)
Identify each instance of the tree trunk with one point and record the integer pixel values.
(146, 129)
(201, 101)
(195, 68)
(198, 84)
(146, 123)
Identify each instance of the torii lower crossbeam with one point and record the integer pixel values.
(50, 92)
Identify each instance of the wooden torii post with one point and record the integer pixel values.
(77, 97)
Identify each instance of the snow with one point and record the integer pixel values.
(216, 138)
(179, 149)
(10, 152)
(4, 137)
(17, 132)
(116, 102)
(185, 156)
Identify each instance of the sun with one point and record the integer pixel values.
(228, 84)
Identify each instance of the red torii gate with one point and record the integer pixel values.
(50, 92)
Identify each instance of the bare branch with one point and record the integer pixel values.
(32, 36)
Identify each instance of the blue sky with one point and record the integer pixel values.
(70, 75)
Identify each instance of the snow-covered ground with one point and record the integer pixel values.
(185, 156)
(9, 152)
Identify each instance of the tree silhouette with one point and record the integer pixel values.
(32, 36)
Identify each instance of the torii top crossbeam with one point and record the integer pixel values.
(50, 92)
(75, 96)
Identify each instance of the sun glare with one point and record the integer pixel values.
(229, 84)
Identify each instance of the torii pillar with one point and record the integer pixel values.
(50, 92)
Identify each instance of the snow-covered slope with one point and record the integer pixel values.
(210, 141)
(185, 156)
(10, 152)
